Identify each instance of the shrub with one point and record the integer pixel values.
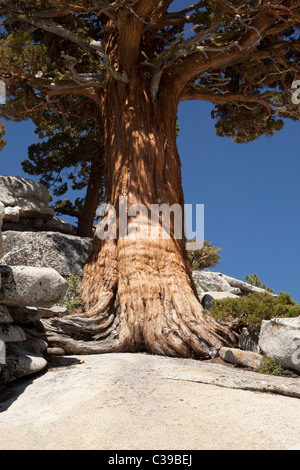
(206, 257)
(255, 307)
(269, 366)
(72, 299)
(254, 280)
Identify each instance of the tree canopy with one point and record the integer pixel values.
(241, 56)
(70, 156)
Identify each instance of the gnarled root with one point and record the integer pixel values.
(172, 327)
(139, 297)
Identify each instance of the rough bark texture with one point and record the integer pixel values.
(139, 294)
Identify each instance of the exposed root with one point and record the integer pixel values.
(139, 297)
(72, 346)
(164, 332)
(66, 333)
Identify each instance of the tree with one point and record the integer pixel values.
(206, 257)
(137, 60)
(71, 151)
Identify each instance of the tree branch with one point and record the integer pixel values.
(237, 10)
(191, 93)
(60, 31)
(183, 13)
(143, 8)
(91, 47)
(99, 8)
(282, 27)
(207, 58)
(80, 78)
(170, 19)
(177, 50)
(90, 92)
(273, 51)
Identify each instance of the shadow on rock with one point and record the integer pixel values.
(9, 393)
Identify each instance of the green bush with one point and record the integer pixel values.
(269, 366)
(254, 280)
(72, 299)
(255, 307)
(206, 257)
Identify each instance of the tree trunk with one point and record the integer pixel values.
(87, 214)
(138, 295)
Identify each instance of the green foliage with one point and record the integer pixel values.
(22, 59)
(270, 367)
(2, 133)
(206, 257)
(232, 121)
(72, 300)
(65, 158)
(37, 75)
(254, 280)
(255, 307)
(70, 126)
(31, 61)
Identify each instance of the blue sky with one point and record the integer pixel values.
(251, 193)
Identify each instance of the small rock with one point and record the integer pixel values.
(208, 297)
(249, 339)
(31, 198)
(2, 353)
(242, 358)
(11, 334)
(55, 352)
(55, 311)
(244, 287)
(20, 363)
(207, 281)
(33, 345)
(30, 286)
(57, 225)
(67, 254)
(12, 214)
(280, 339)
(192, 246)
